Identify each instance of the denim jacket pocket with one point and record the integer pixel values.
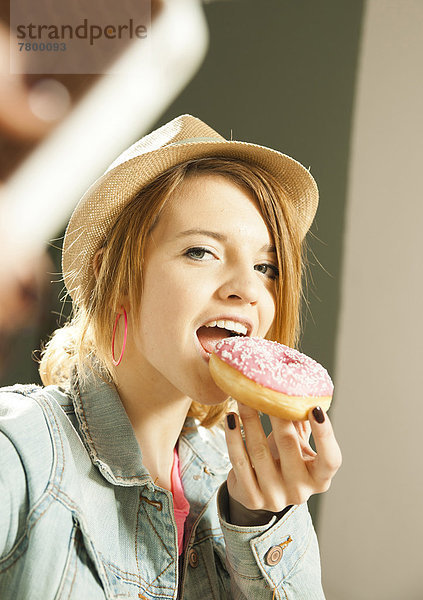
(80, 578)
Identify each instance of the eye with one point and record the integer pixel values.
(197, 253)
(270, 271)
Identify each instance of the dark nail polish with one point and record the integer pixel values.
(231, 421)
(318, 414)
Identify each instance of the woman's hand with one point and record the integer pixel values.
(274, 472)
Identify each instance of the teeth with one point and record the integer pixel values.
(230, 325)
(240, 328)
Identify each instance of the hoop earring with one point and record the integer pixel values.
(118, 316)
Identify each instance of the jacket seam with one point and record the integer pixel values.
(76, 542)
(136, 538)
(137, 578)
(85, 425)
(69, 564)
(208, 576)
(43, 402)
(212, 533)
(22, 540)
(279, 524)
(246, 577)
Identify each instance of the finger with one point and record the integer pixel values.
(304, 429)
(251, 424)
(243, 486)
(289, 447)
(258, 448)
(329, 458)
(254, 436)
(307, 451)
(304, 432)
(265, 461)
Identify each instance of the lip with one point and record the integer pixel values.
(237, 318)
(204, 355)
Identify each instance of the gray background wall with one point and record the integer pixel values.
(370, 523)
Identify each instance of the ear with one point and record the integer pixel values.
(97, 260)
(125, 305)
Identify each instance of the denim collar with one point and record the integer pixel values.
(110, 439)
(107, 431)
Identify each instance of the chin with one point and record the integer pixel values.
(209, 394)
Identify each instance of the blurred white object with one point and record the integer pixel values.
(49, 100)
(39, 197)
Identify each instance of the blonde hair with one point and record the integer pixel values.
(87, 335)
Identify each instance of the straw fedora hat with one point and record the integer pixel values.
(181, 139)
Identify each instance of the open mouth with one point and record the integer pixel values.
(211, 333)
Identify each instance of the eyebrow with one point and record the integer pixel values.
(220, 237)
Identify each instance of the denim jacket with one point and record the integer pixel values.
(81, 519)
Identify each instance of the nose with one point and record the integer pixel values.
(240, 284)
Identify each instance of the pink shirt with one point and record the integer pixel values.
(180, 503)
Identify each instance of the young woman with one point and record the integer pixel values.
(118, 479)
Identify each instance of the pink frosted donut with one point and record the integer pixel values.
(270, 377)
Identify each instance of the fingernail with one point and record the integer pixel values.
(318, 414)
(230, 418)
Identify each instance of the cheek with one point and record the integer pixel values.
(268, 314)
(166, 304)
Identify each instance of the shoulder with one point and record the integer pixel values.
(23, 408)
(29, 423)
(18, 405)
(30, 401)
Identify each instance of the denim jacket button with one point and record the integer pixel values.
(193, 558)
(274, 556)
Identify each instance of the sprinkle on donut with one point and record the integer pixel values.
(275, 366)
